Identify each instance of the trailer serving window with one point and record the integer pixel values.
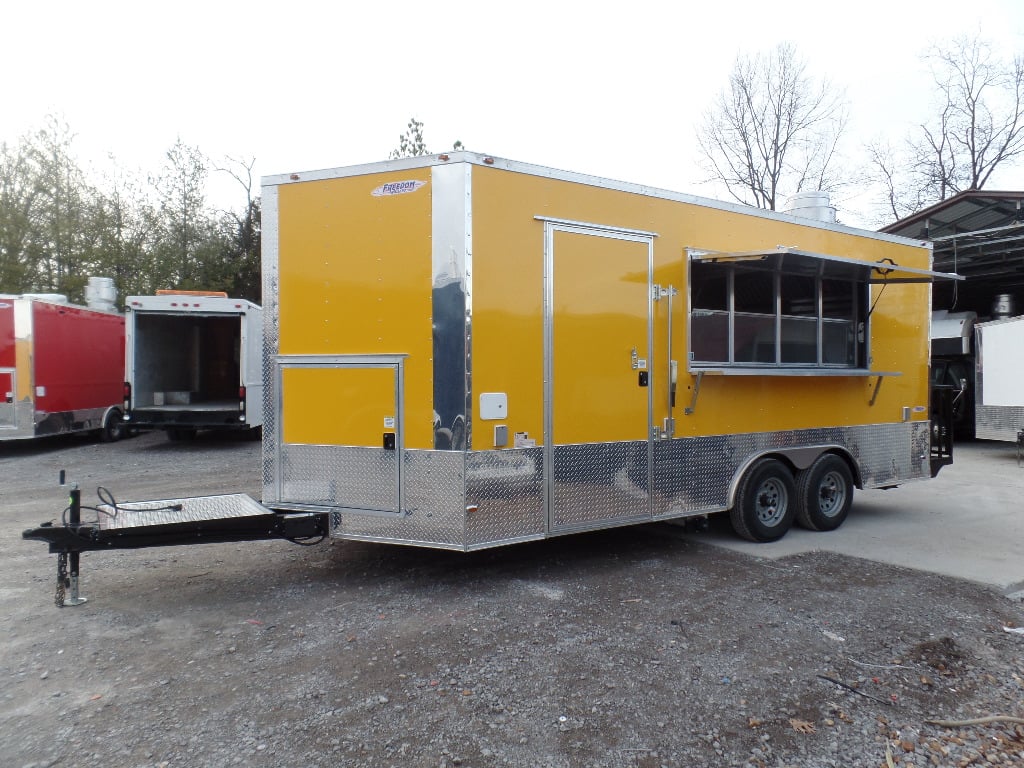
(784, 309)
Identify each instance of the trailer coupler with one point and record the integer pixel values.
(168, 522)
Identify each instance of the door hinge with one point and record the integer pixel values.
(659, 292)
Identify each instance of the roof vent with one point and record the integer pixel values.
(101, 294)
(811, 205)
(1004, 305)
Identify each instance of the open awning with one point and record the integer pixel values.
(792, 261)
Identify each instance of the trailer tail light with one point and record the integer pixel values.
(127, 398)
(241, 403)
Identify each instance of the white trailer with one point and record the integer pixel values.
(193, 360)
(999, 373)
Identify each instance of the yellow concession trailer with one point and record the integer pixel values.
(464, 351)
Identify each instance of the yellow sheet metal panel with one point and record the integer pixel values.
(338, 406)
(24, 371)
(508, 293)
(599, 332)
(355, 278)
(508, 301)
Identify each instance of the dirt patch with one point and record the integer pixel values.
(633, 647)
(941, 654)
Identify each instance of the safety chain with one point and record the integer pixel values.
(63, 582)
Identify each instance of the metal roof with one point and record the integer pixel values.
(978, 234)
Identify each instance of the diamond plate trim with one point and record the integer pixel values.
(271, 338)
(328, 475)
(696, 475)
(998, 422)
(507, 488)
(595, 486)
(435, 505)
(192, 510)
(599, 482)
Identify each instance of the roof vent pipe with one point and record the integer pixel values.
(101, 294)
(811, 205)
(1004, 305)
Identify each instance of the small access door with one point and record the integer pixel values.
(598, 394)
(339, 432)
(8, 389)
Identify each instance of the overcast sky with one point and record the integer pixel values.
(612, 89)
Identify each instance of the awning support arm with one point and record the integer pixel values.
(696, 391)
(878, 386)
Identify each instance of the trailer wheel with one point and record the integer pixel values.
(113, 428)
(824, 493)
(443, 439)
(764, 508)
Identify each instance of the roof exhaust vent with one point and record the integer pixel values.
(1004, 305)
(101, 294)
(811, 205)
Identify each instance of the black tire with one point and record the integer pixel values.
(442, 439)
(824, 493)
(458, 433)
(765, 502)
(113, 428)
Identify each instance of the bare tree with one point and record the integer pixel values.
(888, 172)
(981, 121)
(977, 126)
(774, 130)
(242, 251)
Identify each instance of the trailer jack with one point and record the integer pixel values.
(167, 522)
(68, 561)
(67, 581)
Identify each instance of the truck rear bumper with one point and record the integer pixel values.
(195, 416)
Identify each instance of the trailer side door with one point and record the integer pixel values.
(341, 432)
(598, 394)
(7, 398)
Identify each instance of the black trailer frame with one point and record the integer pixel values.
(162, 523)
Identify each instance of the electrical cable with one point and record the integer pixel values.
(302, 542)
(107, 498)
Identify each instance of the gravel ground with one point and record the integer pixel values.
(634, 647)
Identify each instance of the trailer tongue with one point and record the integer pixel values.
(164, 522)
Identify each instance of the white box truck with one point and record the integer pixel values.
(193, 360)
(999, 357)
